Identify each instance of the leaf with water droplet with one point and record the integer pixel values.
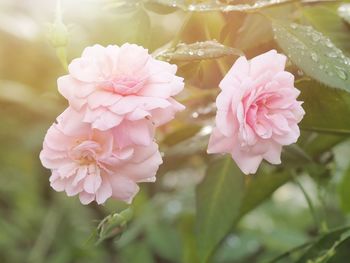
(325, 19)
(210, 49)
(322, 60)
(211, 5)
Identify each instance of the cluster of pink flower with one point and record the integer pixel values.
(102, 145)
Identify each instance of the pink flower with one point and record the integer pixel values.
(89, 162)
(257, 111)
(113, 85)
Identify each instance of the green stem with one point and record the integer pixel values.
(308, 200)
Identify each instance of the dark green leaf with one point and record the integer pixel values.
(261, 185)
(327, 109)
(342, 252)
(218, 201)
(314, 53)
(323, 246)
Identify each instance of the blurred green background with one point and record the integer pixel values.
(39, 225)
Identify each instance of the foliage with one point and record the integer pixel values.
(201, 209)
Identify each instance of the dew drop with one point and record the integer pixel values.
(314, 56)
(341, 73)
(316, 37)
(332, 55)
(200, 52)
(294, 26)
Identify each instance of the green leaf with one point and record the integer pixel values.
(143, 26)
(342, 252)
(210, 49)
(344, 192)
(314, 53)
(327, 110)
(159, 8)
(325, 19)
(324, 246)
(218, 199)
(210, 5)
(137, 252)
(183, 133)
(249, 36)
(261, 185)
(165, 240)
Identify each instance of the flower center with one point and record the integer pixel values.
(125, 85)
(85, 152)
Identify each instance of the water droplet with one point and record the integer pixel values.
(344, 12)
(200, 52)
(332, 55)
(195, 115)
(314, 56)
(329, 44)
(294, 26)
(316, 37)
(341, 73)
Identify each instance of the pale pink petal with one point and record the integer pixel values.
(123, 188)
(104, 192)
(257, 111)
(93, 180)
(86, 198)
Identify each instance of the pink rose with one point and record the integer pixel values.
(113, 85)
(257, 111)
(89, 162)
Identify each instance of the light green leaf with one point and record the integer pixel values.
(210, 49)
(159, 8)
(314, 53)
(344, 191)
(212, 5)
(218, 200)
(143, 26)
(327, 110)
(181, 134)
(165, 240)
(249, 36)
